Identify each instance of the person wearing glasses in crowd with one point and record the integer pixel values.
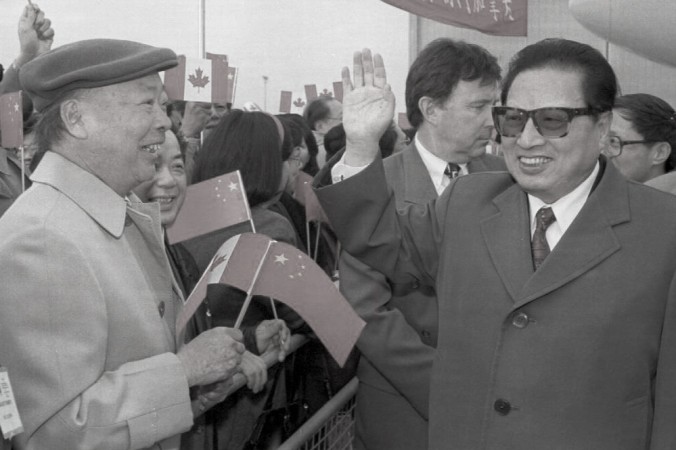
(556, 284)
(642, 137)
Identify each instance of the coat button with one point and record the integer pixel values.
(161, 308)
(502, 407)
(520, 320)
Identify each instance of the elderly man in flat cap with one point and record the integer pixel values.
(88, 308)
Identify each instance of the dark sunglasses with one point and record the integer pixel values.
(550, 122)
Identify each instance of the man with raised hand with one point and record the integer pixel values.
(556, 285)
(450, 89)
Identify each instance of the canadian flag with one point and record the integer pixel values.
(198, 80)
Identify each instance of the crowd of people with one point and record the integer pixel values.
(522, 298)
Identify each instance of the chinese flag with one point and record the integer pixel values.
(232, 84)
(198, 80)
(310, 92)
(285, 102)
(259, 265)
(11, 120)
(499, 18)
(338, 91)
(209, 206)
(307, 197)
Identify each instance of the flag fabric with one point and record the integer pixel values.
(11, 120)
(198, 80)
(209, 206)
(310, 92)
(285, 102)
(338, 91)
(293, 278)
(307, 197)
(402, 121)
(495, 17)
(232, 84)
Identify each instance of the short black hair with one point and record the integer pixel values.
(245, 141)
(652, 118)
(438, 69)
(316, 110)
(599, 83)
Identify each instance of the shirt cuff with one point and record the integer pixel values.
(340, 171)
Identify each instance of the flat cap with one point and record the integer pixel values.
(89, 64)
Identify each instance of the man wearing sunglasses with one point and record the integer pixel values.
(556, 284)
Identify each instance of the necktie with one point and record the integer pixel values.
(452, 170)
(539, 246)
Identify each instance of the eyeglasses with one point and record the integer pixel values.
(615, 145)
(550, 122)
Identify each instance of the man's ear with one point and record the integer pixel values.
(71, 115)
(660, 153)
(429, 109)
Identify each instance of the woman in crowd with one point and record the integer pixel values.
(168, 189)
(642, 137)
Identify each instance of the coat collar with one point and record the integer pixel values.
(91, 194)
(588, 241)
(418, 185)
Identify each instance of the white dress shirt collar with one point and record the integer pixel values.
(565, 209)
(436, 166)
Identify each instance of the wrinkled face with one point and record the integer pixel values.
(549, 168)
(169, 184)
(636, 160)
(463, 123)
(125, 126)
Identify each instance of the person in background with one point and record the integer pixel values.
(556, 281)
(92, 356)
(322, 114)
(642, 137)
(450, 89)
(168, 188)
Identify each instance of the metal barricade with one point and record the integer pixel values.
(331, 427)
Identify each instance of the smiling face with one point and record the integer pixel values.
(549, 168)
(169, 184)
(124, 125)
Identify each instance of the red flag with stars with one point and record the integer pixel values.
(259, 265)
(11, 120)
(306, 196)
(209, 206)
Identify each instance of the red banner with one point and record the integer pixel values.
(496, 17)
(11, 120)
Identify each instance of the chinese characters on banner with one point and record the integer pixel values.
(496, 17)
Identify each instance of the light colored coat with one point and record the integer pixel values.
(84, 278)
(578, 355)
(397, 344)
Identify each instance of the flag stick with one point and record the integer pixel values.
(307, 237)
(23, 170)
(319, 230)
(335, 263)
(249, 295)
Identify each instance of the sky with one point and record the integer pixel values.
(291, 42)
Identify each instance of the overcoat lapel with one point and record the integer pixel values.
(418, 186)
(507, 236)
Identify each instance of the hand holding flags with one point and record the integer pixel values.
(259, 265)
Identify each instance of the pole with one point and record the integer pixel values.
(202, 26)
(265, 92)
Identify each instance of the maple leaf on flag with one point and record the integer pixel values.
(198, 81)
(326, 93)
(299, 103)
